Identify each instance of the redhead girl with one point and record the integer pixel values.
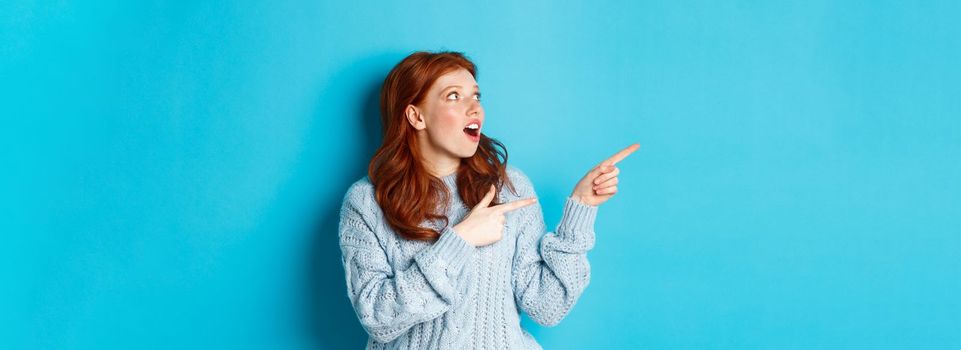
(443, 243)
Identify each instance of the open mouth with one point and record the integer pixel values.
(472, 129)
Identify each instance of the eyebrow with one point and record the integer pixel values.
(477, 88)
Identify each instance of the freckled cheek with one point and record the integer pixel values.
(451, 121)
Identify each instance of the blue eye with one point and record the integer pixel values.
(477, 96)
(453, 94)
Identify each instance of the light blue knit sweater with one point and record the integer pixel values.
(451, 295)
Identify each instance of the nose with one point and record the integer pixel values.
(474, 108)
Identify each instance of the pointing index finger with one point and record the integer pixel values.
(520, 203)
(619, 156)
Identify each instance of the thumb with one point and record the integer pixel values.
(598, 170)
(486, 201)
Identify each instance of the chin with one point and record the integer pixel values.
(468, 154)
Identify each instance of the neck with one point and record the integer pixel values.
(438, 163)
(442, 168)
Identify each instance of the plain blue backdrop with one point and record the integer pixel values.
(172, 171)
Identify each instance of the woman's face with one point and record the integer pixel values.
(450, 118)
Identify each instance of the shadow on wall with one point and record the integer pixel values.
(330, 321)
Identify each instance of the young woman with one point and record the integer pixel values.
(443, 243)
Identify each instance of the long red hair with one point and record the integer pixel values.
(406, 192)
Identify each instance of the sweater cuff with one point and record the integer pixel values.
(449, 253)
(577, 221)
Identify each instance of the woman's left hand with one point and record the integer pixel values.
(600, 184)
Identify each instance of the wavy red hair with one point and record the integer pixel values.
(406, 192)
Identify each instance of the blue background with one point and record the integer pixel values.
(172, 172)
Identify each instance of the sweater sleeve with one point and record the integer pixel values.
(551, 268)
(388, 301)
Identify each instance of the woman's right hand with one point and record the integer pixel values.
(485, 225)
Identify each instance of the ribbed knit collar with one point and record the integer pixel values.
(450, 180)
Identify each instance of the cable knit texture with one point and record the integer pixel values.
(449, 294)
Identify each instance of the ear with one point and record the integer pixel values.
(415, 118)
